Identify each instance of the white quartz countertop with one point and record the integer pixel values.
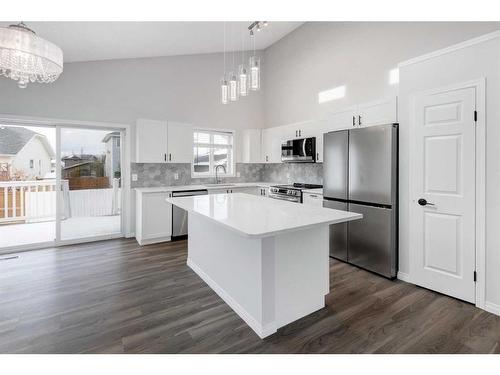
(228, 185)
(257, 217)
(313, 191)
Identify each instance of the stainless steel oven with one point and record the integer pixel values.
(301, 150)
(290, 193)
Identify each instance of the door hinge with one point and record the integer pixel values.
(475, 116)
(475, 276)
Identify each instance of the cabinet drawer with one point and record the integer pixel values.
(313, 199)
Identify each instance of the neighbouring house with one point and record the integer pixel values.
(112, 162)
(84, 171)
(24, 154)
(83, 165)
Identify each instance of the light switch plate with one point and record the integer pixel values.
(176, 176)
(134, 176)
(238, 174)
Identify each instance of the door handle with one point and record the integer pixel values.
(359, 120)
(353, 120)
(423, 202)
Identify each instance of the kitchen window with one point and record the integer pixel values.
(210, 149)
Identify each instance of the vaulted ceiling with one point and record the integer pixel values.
(90, 41)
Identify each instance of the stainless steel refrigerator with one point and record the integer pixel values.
(360, 174)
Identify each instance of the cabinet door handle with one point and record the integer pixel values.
(359, 120)
(165, 157)
(169, 157)
(313, 196)
(353, 120)
(267, 158)
(317, 156)
(300, 133)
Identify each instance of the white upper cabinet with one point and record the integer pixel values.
(151, 141)
(271, 144)
(180, 142)
(344, 119)
(378, 113)
(251, 144)
(163, 142)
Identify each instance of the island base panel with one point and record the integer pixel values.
(269, 282)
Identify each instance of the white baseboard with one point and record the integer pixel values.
(150, 241)
(404, 276)
(492, 308)
(260, 330)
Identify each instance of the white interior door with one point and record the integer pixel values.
(443, 192)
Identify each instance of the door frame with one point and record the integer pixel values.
(480, 181)
(125, 131)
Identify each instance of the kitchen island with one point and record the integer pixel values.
(266, 258)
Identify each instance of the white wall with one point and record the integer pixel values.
(322, 55)
(472, 63)
(180, 88)
(36, 151)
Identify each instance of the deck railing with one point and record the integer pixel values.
(33, 201)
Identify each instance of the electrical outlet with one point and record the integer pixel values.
(176, 176)
(134, 176)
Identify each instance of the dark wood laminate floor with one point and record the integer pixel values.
(116, 297)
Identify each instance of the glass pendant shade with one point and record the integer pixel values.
(254, 73)
(243, 80)
(233, 87)
(224, 91)
(25, 57)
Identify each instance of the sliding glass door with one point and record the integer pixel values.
(59, 185)
(27, 186)
(90, 185)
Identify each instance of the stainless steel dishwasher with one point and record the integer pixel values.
(180, 216)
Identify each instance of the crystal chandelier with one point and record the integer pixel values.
(25, 57)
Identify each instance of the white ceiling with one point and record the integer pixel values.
(90, 41)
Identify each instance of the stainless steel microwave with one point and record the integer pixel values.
(301, 150)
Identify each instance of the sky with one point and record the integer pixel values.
(75, 140)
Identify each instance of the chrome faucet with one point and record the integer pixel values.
(217, 179)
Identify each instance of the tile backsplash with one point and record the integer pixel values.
(152, 175)
(310, 173)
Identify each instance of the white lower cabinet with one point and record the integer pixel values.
(153, 218)
(235, 189)
(313, 199)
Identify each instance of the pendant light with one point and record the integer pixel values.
(254, 64)
(224, 89)
(243, 71)
(233, 87)
(234, 93)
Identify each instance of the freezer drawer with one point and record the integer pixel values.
(372, 240)
(338, 232)
(373, 164)
(335, 164)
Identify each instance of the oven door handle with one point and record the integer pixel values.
(275, 196)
